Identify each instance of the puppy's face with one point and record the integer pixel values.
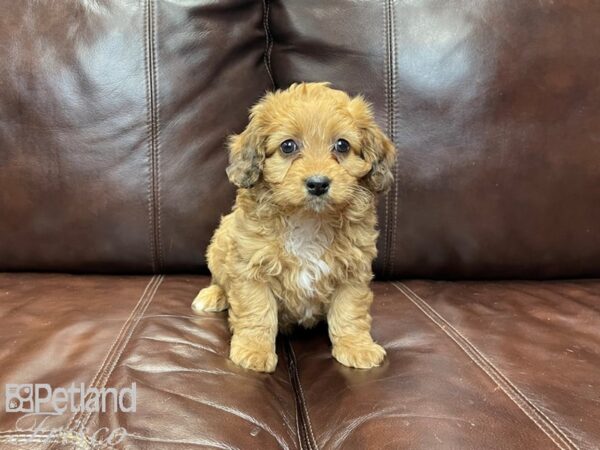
(313, 148)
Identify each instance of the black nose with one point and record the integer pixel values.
(317, 185)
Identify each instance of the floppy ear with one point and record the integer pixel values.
(246, 154)
(381, 153)
(377, 149)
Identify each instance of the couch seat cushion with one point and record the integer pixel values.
(470, 365)
(112, 331)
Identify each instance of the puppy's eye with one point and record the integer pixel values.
(288, 146)
(342, 146)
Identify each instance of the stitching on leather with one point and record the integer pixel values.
(387, 119)
(154, 17)
(114, 345)
(389, 99)
(80, 419)
(107, 371)
(391, 131)
(537, 416)
(308, 435)
(80, 440)
(300, 426)
(300, 429)
(393, 228)
(268, 41)
(153, 127)
(511, 390)
(21, 440)
(300, 411)
(150, 144)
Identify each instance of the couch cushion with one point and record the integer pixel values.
(114, 331)
(470, 365)
(539, 341)
(495, 109)
(113, 116)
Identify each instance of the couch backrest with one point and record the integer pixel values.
(495, 109)
(113, 117)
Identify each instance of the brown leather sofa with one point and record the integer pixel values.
(113, 115)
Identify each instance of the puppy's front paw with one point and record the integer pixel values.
(360, 355)
(253, 355)
(210, 299)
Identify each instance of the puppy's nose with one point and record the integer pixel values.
(317, 185)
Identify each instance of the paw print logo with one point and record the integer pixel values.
(19, 398)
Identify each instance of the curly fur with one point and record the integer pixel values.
(283, 257)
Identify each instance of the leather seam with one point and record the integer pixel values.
(537, 416)
(387, 120)
(80, 440)
(306, 435)
(109, 368)
(388, 70)
(149, 144)
(114, 344)
(394, 96)
(80, 419)
(153, 130)
(268, 41)
(302, 411)
(300, 430)
(157, 138)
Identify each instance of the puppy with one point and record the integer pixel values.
(300, 241)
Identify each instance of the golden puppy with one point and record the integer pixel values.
(298, 246)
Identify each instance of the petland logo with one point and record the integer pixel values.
(44, 399)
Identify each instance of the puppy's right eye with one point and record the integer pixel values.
(288, 146)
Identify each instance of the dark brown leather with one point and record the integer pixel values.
(112, 122)
(541, 339)
(113, 117)
(495, 110)
(470, 365)
(113, 331)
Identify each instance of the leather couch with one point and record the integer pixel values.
(113, 115)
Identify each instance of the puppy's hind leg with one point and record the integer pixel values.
(210, 299)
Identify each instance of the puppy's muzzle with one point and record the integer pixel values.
(317, 185)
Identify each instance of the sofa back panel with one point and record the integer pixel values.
(212, 69)
(495, 109)
(113, 117)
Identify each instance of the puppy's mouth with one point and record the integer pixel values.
(318, 204)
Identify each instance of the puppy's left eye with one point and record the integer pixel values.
(342, 146)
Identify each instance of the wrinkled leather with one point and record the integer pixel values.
(113, 117)
(495, 109)
(113, 331)
(470, 365)
(542, 337)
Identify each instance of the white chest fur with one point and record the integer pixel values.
(306, 239)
